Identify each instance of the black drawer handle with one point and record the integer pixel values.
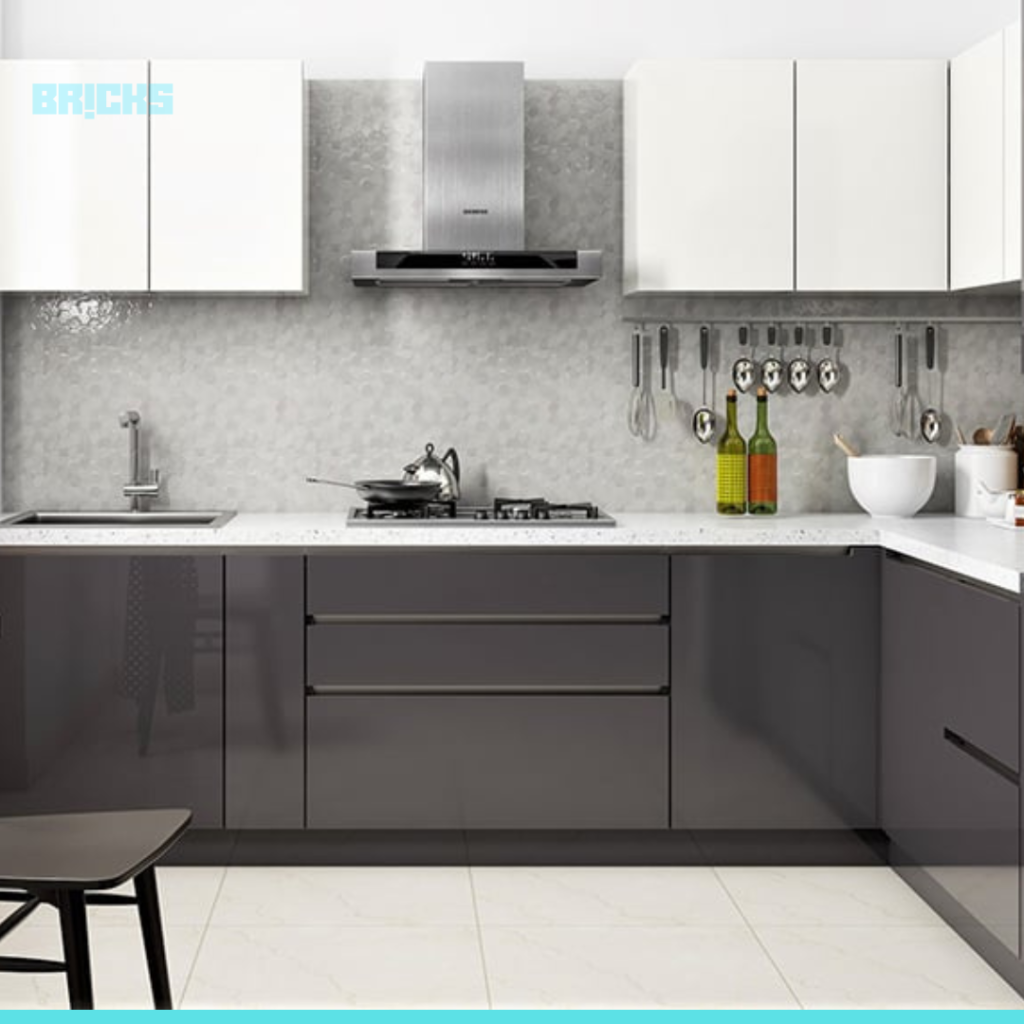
(469, 619)
(530, 689)
(980, 756)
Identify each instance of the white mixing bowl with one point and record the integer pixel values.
(891, 485)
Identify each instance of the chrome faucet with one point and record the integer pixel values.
(137, 490)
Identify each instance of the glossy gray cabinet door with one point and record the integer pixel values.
(488, 762)
(264, 692)
(774, 689)
(949, 720)
(111, 683)
(489, 656)
(518, 583)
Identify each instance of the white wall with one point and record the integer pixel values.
(557, 38)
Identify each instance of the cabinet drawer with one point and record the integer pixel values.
(524, 585)
(973, 658)
(487, 762)
(460, 656)
(973, 850)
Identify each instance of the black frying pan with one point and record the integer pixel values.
(391, 492)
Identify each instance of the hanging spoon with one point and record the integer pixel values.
(704, 418)
(931, 418)
(799, 370)
(771, 369)
(830, 373)
(744, 370)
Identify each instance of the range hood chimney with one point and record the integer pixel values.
(474, 159)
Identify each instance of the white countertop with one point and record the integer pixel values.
(970, 547)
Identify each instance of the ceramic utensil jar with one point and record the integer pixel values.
(994, 466)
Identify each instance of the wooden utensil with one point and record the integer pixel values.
(843, 445)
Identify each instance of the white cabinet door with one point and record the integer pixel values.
(227, 177)
(72, 188)
(709, 176)
(976, 165)
(1013, 83)
(871, 177)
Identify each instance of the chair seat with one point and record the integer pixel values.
(99, 850)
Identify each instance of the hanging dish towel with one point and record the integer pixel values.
(160, 629)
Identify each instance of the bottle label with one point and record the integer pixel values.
(763, 479)
(732, 479)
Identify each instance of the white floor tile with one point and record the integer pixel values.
(885, 968)
(525, 897)
(120, 977)
(285, 967)
(608, 968)
(825, 896)
(583, 937)
(345, 896)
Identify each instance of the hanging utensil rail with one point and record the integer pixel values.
(847, 320)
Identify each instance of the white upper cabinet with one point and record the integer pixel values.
(227, 177)
(871, 180)
(709, 176)
(73, 202)
(1013, 84)
(976, 166)
(984, 162)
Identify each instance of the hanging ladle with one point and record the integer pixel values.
(931, 418)
(704, 418)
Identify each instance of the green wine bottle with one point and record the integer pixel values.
(732, 464)
(763, 464)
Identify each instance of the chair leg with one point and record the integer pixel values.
(75, 935)
(153, 938)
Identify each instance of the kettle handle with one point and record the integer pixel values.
(456, 468)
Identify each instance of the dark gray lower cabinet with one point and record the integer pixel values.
(264, 693)
(111, 683)
(949, 740)
(486, 690)
(775, 689)
(468, 762)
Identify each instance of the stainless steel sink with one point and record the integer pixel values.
(210, 520)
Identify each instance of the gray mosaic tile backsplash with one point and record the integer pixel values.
(241, 398)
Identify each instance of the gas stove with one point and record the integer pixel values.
(501, 512)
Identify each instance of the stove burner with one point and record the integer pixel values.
(501, 512)
(540, 508)
(391, 510)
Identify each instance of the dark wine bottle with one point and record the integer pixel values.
(763, 464)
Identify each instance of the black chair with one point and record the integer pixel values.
(63, 859)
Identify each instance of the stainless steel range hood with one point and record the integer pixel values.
(473, 193)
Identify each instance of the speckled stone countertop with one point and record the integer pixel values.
(969, 547)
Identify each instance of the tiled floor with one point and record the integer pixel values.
(528, 937)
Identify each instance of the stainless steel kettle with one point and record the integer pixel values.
(428, 468)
